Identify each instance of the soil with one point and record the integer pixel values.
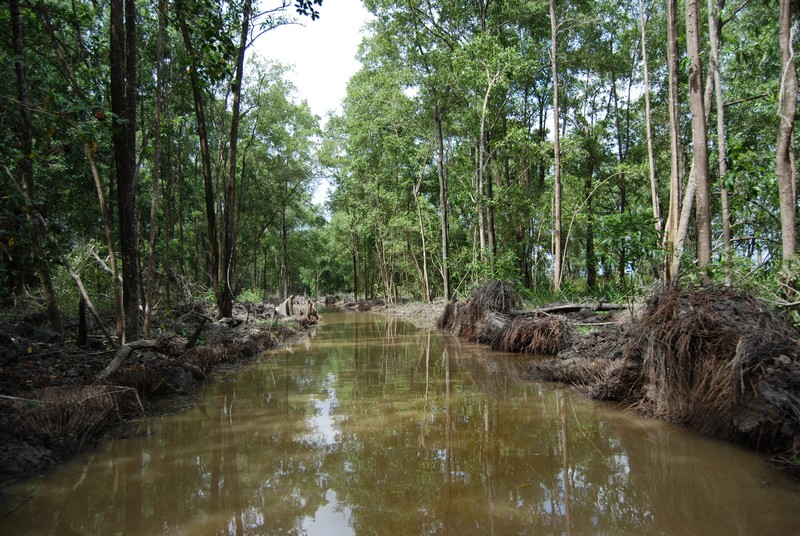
(52, 405)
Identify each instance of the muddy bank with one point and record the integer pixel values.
(58, 399)
(715, 360)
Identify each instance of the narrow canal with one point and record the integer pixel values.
(375, 427)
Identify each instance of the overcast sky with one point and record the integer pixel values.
(322, 53)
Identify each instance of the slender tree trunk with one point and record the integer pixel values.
(123, 105)
(154, 193)
(354, 252)
(437, 120)
(651, 166)
(591, 261)
(229, 230)
(714, 30)
(674, 141)
(557, 253)
(26, 166)
(205, 156)
(479, 197)
(169, 224)
(285, 248)
(426, 284)
(623, 186)
(785, 166)
(699, 134)
(114, 265)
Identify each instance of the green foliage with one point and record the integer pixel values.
(445, 65)
(249, 295)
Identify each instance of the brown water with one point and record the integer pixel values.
(374, 427)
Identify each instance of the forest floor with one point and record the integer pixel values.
(53, 404)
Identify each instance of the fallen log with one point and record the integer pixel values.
(577, 307)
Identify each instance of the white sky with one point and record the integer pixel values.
(322, 53)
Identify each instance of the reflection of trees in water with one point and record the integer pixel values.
(693, 487)
(495, 374)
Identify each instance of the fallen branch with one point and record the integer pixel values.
(123, 353)
(85, 297)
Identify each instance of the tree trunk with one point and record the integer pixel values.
(112, 255)
(205, 156)
(228, 222)
(651, 166)
(26, 167)
(714, 31)
(675, 143)
(557, 253)
(785, 166)
(699, 134)
(426, 284)
(151, 254)
(437, 120)
(123, 105)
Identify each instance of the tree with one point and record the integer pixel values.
(151, 255)
(699, 134)
(785, 167)
(123, 105)
(651, 166)
(557, 244)
(675, 174)
(37, 227)
(714, 30)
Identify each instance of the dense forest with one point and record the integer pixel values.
(574, 147)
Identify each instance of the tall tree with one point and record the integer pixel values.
(557, 243)
(651, 166)
(229, 221)
(715, 8)
(151, 254)
(785, 167)
(674, 142)
(123, 106)
(37, 227)
(699, 134)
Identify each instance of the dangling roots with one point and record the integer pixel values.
(542, 336)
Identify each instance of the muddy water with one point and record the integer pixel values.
(373, 427)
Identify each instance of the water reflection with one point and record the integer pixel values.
(374, 427)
